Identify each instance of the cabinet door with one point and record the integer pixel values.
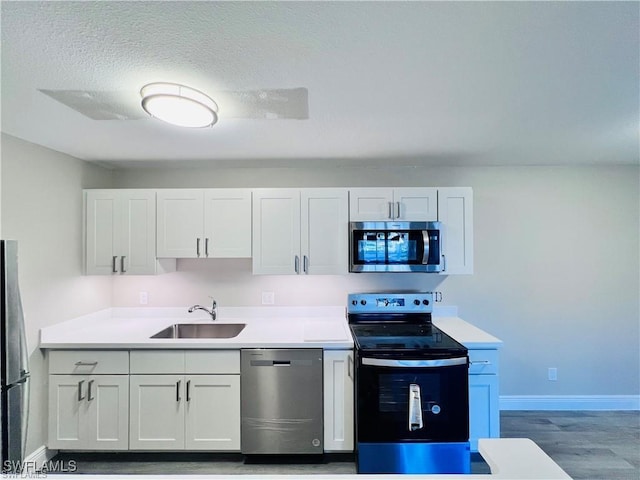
(415, 204)
(484, 412)
(276, 232)
(227, 223)
(212, 412)
(180, 223)
(156, 410)
(107, 414)
(370, 204)
(324, 231)
(138, 232)
(338, 400)
(67, 409)
(102, 226)
(455, 211)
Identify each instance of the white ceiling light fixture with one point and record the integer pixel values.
(179, 105)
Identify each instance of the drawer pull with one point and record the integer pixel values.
(86, 364)
(80, 396)
(480, 362)
(89, 396)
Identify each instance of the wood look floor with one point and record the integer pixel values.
(587, 445)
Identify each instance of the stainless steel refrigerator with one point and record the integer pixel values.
(14, 373)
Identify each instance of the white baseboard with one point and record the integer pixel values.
(570, 402)
(39, 457)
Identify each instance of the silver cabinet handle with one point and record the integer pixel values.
(86, 364)
(305, 264)
(480, 362)
(80, 396)
(178, 390)
(296, 264)
(415, 408)
(350, 367)
(398, 204)
(89, 396)
(206, 247)
(188, 388)
(113, 264)
(198, 247)
(122, 269)
(390, 214)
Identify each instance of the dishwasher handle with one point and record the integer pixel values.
(281, 363)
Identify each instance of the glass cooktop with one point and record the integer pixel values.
(404, 338)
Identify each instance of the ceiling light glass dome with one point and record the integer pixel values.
(179, 105)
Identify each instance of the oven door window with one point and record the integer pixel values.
(412, 404)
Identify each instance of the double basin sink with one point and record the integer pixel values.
(201, 330)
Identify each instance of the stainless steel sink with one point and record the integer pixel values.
(201, 330)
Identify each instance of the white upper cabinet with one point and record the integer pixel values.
(227, 223)
(300, 231)
(120, 228)
(455, 212)
(197, 223)
(383, 204)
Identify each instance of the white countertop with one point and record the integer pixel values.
(131, 328)
(266, 327)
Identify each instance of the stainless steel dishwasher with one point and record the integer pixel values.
(281, 399)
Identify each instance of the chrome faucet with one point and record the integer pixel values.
(211, 311)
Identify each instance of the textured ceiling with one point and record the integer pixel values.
(461, 83)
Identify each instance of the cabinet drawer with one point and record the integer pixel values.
(212, 361)
(84, 362)
(483, 362)
(157, 361)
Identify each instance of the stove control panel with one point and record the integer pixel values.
(417, 302)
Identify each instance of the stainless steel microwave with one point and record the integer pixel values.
(395, 247)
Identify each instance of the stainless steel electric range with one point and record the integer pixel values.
(412, 395)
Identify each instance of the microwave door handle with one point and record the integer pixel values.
(425, 242)
(415, 408)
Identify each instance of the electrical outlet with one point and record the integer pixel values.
(143, 298)
(553, 374)
(268, 298)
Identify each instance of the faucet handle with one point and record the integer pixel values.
(214, 304)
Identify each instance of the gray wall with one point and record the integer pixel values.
(556, 265)
(42, 210)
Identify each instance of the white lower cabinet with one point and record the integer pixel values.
(338, 400)
(484, 408)
(88, 411)
(157, 412)
(196, 407)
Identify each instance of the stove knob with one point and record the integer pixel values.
(363, 302)
(416, 302)
(354, 302)
(425, 301)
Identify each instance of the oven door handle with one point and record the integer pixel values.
(415, 408)
(444, 362)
